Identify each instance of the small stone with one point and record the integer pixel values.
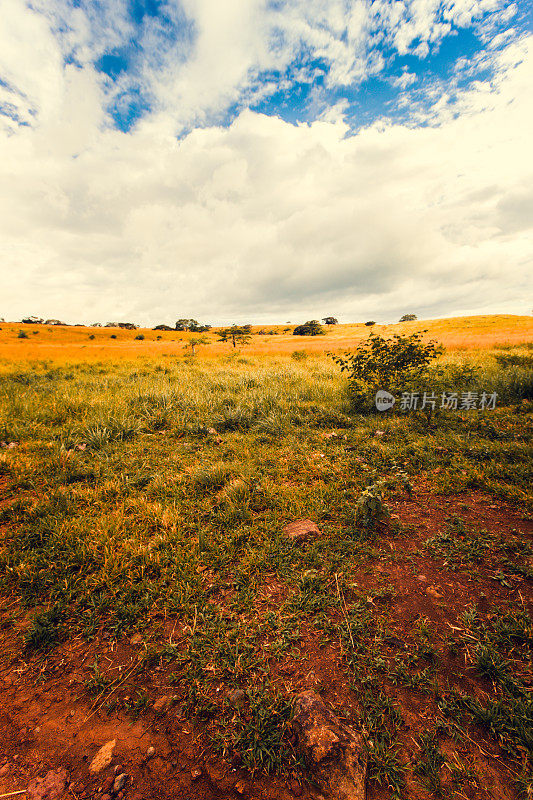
(162, 704)
(433, 592)
(120, 782)
(300, 530)
(150, 753)
(103, 758)
(334, 753)
(136, 639)
(421, 578)
(483, 603)
(50, 787)
(4, 770)
(196, 773)
(236, 698)
(241, 787)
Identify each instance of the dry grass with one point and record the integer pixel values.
(72, 344)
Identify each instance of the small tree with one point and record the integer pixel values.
(370, 323)
(195, 342)
(330, 320)
(408, 318)
(389, 364)
(311, 328)
(237, 334)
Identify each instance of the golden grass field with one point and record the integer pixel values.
(69, 343)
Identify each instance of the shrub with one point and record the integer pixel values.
(408, 318)
(299, 355)
(370, 323)
(22, 335)
(311, 328)
(389, 364)
(139, 337)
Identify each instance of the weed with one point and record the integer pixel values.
(429, 763)
(45, 630)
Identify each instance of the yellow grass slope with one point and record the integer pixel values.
(64, 343)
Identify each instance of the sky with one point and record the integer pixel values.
(265, 160)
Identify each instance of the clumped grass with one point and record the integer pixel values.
(45, 629)
(429, 763)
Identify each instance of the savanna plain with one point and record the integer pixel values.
(151, 597)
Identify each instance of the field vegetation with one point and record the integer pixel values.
(148, 496)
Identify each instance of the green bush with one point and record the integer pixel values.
(390, 364)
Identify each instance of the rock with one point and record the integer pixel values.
(295, 788)
(150, 753)
(333, 752)
(136, 639)
(483, 603)
(301, 530)
(433, 592)
(51, 786)
(196, 773)
(120, 782)
(4, 770)
(236, 698)
(103, 757)
(162, 704)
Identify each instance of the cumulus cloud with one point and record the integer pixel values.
(258, 219)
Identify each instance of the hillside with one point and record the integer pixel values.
(66, 343)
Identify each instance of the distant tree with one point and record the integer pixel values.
(408, 318)
(186, 324)
(370, 323)
(111, 325)
(237, 334)
(128, 326)
(53, 322)
(311, 328)
(330, 320)
(162, 328)
(195, 342)
(33, 321)
(191, 325)
(96, 325)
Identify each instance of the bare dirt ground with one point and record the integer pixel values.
(48, 719)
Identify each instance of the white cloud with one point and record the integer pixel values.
(261, 219)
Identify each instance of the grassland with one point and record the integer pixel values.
(77, 343)
(148, 496)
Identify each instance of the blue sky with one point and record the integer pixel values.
(265, 158)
